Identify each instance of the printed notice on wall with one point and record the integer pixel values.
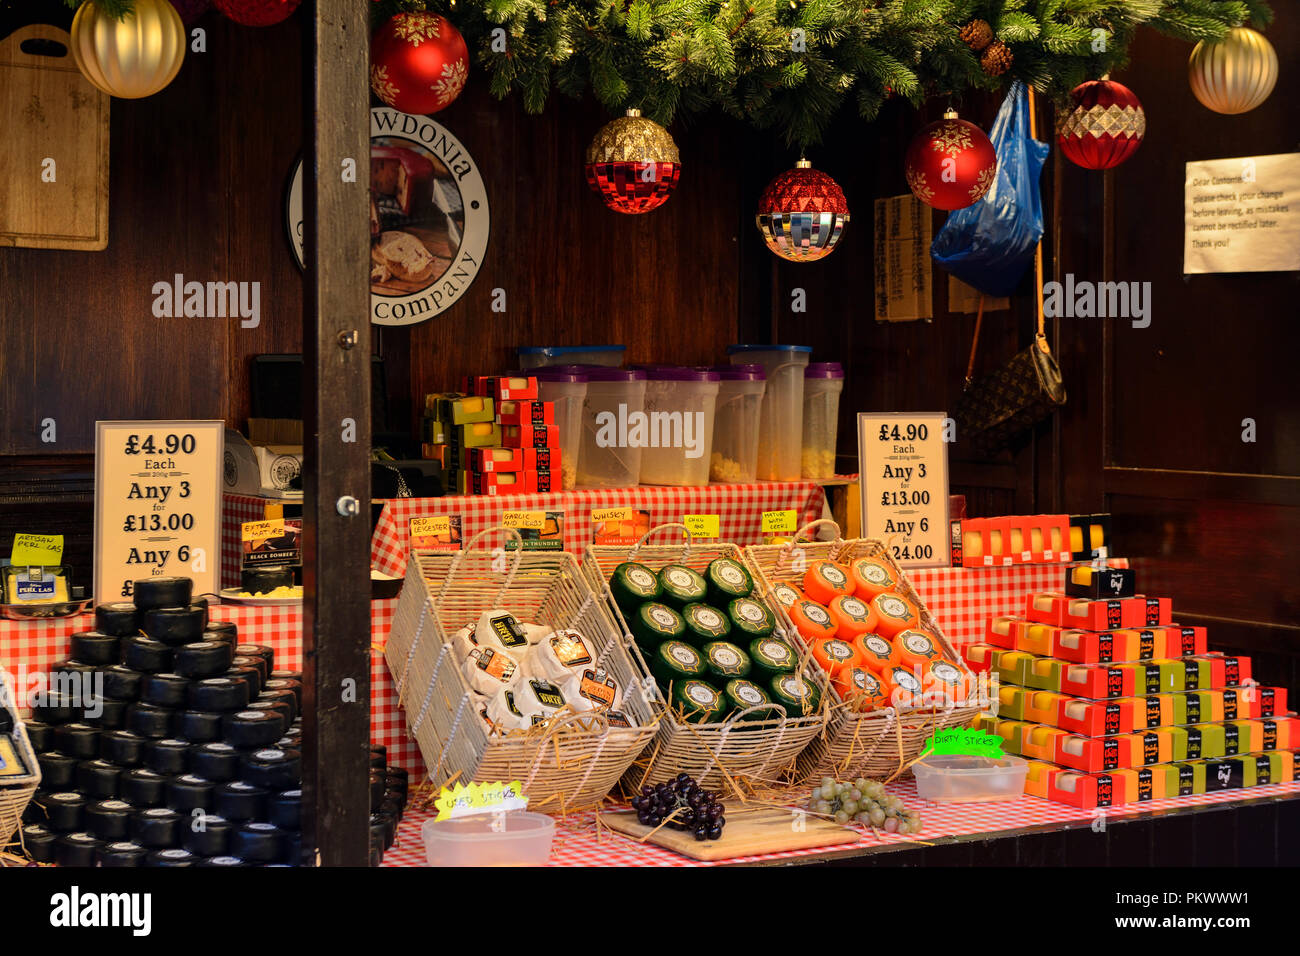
(157, 504)
(1242, 215)
(903, 464)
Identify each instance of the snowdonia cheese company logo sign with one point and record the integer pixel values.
(429, 218)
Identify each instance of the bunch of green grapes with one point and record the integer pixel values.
(863, 801)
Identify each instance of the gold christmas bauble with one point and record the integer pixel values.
(132, 57)
(632, 139)
(1234, 75)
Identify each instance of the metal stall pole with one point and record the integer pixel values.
(336, 435)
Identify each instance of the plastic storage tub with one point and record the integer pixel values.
(679, 407)
(822, 384)
(606, 458)
(536, 357)
(516, 838)
(958, 779)
(736, 422)
(780, 437)
(566, 386)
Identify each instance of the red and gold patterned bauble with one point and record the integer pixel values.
(802, 214)
(257, 13)
(418, 62)
(633, 164)
(1104, 125)
(950, 164)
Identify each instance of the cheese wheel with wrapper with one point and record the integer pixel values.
(462, 642)
(824, 581)
(592, 688)
(903, 686)
(860, 688)
(536, 633)
(812, 620)
(917, 649)
(833, 655)
(501, 629)
(877, 652)
(871, 576)
(489, 670)
(538, 699)
(894, 612)
(503, 714)
(560, 655)
(943, 682)
(852, 616)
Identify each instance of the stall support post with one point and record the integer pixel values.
(336, 435)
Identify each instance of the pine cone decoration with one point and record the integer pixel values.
(997, 59)
(977, 34)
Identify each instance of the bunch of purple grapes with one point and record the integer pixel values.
(700, 811)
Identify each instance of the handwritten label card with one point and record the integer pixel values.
(903, 461)
(157, 504)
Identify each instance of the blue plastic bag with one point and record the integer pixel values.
(990, 244)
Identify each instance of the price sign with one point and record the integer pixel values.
(523, 520)
(903, 461)
(157, 504)
(435, 533)
(780, 522)
(703, 526)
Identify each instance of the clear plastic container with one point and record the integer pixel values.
(961, 779)
(679, 407)
(566, 386)
(606, 458)
(736, 423)
(517, 838)
(780, 437)
(539, 356)
(822, 384)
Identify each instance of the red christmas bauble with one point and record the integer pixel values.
(1104, 125)
(633, 164)
(802, 214)
(257, 13)
(418, 62)
(191, 10)
(950, 164)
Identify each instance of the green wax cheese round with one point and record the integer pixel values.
(797, 694)
(751, 617)
(676, 661)
(632, 585)
(654, 623)
(727, 580)
(697, 702)
(723, 661)
(681, 586)
(771, 656)
(704, 624)
(739, 694)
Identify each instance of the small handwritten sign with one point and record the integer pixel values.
(964, 742)
(465, 801)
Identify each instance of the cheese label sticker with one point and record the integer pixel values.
(546, 693)
(776, 652)
(702, 694)
(838, 650)
(816, 614)
(37, 550)
(508, 631)
(894, 608)
(749, 693)
(611, 514)
(780, 522)
(731, 575)
(707, 617)
(946, 672)
(724, 657)
(642, 579)
(833, 574)
(662, 616)
(964, 741)
(435, 533)
(598, 687)
(703, 526)
(854, 608)
(527, 520)
(493, 664)
(683, 654)
(877, 574)
(751, 612)
(680, 578)
(918, 643)
(464, 801)
(570, 649)
(878, 646)
(785, 595)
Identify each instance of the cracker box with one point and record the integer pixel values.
(1095, 718)
(1003, 631)
(526, 413)
(1089, 791)
(1039, 742)
(1099, 584)
(1092, 754)
(530, 436)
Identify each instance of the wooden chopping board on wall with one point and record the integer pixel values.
(54, 146)
(747, 833)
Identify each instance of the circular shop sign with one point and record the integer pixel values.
(429, 218)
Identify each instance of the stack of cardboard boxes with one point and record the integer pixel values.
(493, 437)
(1113, 703)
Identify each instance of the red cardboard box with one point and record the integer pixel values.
(1097, 681)
(1185, 641)
(980, 657)
(1269, 702)
(506, 388)
(1226, 671)
(514, 459)
(1052, 607)
(544, 481)
(530, 436)
(1095, 718)
(1089, 791)
(1092, 754)
(526, 413)
(496, 483)
(1003, 631)
(1153, 710)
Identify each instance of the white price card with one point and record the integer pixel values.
(157, 504)
(903, 464)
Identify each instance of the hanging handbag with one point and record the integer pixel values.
(1014, 398)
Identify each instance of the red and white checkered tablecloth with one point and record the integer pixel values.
(235, 510)
(28, 648)
(577, 842)
(739, 507)
(964, 600)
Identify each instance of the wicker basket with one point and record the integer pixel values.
(574, 759)
(880, 743)
(16, 792)
(762, 750)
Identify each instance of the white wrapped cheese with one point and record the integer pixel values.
(560, 655)
(501, 629)
(490, 670)
(536, 633)
(537, 699)
(462, 642)
(503, 714)
(592, 688)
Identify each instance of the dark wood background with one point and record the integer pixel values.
(1151, 431)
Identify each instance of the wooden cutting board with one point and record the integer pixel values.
(747, 833)
(49, 111)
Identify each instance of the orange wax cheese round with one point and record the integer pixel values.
(852, 616)
(834, 655)
(812, 620)
(871, 576)
(895, 612)
(878, 652)
(903, 686)
(860, 688)
(825, 581)
(943, 682)
(917, 648)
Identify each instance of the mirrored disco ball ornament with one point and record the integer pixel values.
(802, 214)
(633, 164)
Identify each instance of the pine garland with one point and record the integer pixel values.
(788, 65)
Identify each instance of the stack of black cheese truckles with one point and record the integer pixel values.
(166, 742)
